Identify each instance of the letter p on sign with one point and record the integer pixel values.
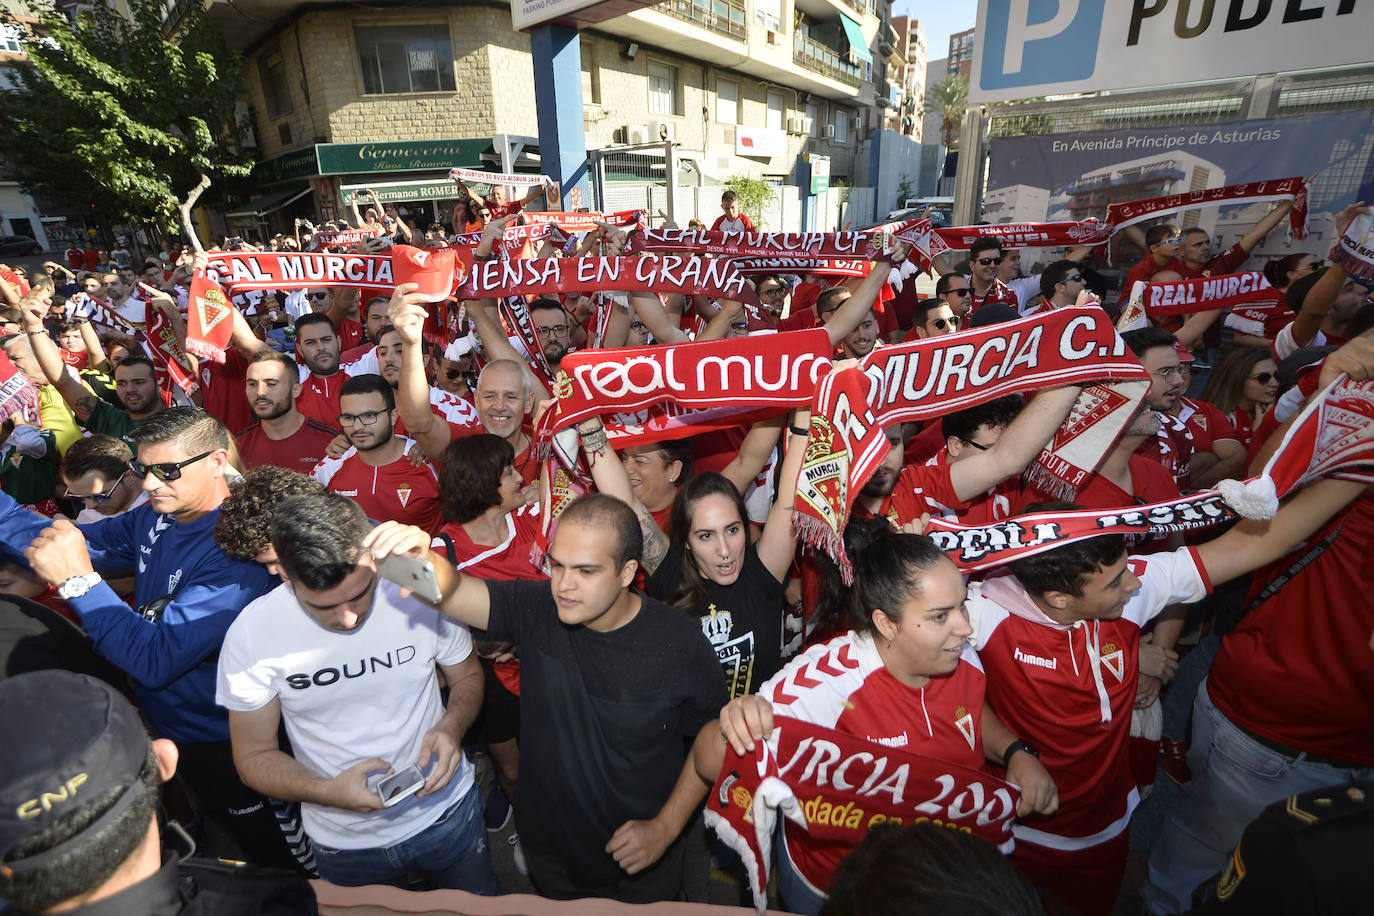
(1034, 42)
(1020, 30)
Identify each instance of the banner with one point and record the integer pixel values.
(477, 176)
(842, 267)
(239, 271)
(587, 221)
(1130, 212)
(928, 378)
(1022, 49)
(170, 364)
(837, 787)
(1025, 235)
(670, 273)
(871, 244)
(341, 238)
(1206, 294)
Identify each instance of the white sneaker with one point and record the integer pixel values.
(518, 854)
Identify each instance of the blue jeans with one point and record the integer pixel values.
(450, 853)
(796, 892)
(1234, 779)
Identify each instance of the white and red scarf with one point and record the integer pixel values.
(239, 271)
(341, 238)
(1187, 297)
(477, 176)
(209, 319)
(170, 363)
(1332, 437)
(752, 791)
(672, 273)
(840, 267)
(1354, 250)
(587, 221)
(1022, 235)
(928, 378)
(17, 393)
(871, 244)
(1130, 212)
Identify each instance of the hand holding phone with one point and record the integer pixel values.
(400, 785)
(414, 573)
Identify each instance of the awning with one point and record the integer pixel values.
(261, 206)
(855, 33)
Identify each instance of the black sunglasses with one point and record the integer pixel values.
(965, 291)
(978, 445)
(320, 295)
(986, 261)
(167, 470)
(1076, 278)
(97, 497)
(942, 323)
(1263, 378)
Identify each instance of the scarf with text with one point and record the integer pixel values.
(1130, 212)
(840, 267)
(515, 315)
(1205, 294)
(672, 273)
(477, 176)
(1021, 235)
(239, 271)
(1332, 437)
(875, 244)
(588, 220)
(868, 784)
(928, 378)
(17, 393)
(341, 238)
(1354, 250)
(209, 319)
(515, 241)
(170, 363)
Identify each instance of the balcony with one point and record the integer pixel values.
(715, 15)
(824, 60)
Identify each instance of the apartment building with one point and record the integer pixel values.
(960, 58)
(911, 45)
(342, 97)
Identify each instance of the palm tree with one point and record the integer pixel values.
(950, 98)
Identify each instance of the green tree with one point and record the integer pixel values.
(754, 195)
(950, 98)
(116, 112)
(905, 190)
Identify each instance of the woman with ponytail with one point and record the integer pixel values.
(918, 686)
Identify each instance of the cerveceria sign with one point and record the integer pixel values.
(402, 156)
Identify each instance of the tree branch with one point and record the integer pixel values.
(186, 225)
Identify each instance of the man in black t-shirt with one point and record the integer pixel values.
(613, 687)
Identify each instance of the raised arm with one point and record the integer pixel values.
(611, 479)
(1265, 226)
(407, 315)
(82, 402)
(1018, 445)
(96, 356)
(498, 345)
(465, 598)
(753, 452)
(853, 310)
(778, 543)
(649, 307)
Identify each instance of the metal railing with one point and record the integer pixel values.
(714, 15)
(824, 60)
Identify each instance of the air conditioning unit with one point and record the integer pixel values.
(857, 123)
(662, 130)
(828, 132)
(796, 125)
(632, 135)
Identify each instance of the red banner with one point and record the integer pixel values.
(871, 244)
(169, 360)
(209, 319)
(1206, 294)
(341, 238)
(587, 221)
(694, 276)
(237, 271)
(837, 787)
(843, 267)
(1121, 215)
(1025, 235)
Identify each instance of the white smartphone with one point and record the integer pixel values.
(399, 786)
(414, 573)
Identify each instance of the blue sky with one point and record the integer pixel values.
(940, 19)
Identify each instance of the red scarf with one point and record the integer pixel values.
(879, 784)
(17, 393)
(169, 360)
(209, 319)
(1121, 215)
(587, 221)
(435, 270)
(870, 244)
(1022, 235)
(1332, 437)
(840, 267)
(238, 271)
(928, 378)
(1206, 294)
(693, 276)
(1355, 249)
(342, 238)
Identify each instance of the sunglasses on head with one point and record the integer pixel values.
(1263, 378)
(988, 261)
(167, 470)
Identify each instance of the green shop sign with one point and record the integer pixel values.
(402, 156)
(299, 163)
(402, 191)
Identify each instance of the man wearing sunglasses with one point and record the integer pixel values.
(1062, 286)
(97, 476)
(187, 590)
(933, 318)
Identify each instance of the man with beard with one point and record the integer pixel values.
(903, 495)
(317, 345)
(1173, 446)
(135, 385)
(283, 436)
(553, 328)
(375, 471)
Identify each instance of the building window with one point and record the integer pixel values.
(272, 71)
(662, 89)
(9, 39)
(812, 117)
(727, 102)
(772, 118)
(405, 58)
(841, 122)
(591, 75)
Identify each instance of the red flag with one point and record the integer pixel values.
(209, 319)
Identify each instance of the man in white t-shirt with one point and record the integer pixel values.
(348, 664)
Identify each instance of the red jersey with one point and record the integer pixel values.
(1207, 423)
(300, 451)
(741, 223)
(1297, 670)
(992, 505)
(1150, 483)
(843, 685)
(1069, 691)
(350, 334)
(921, 488)
(320, 397)
(511, 559)
(397, 491)
(1261, 319)
(222, 390)
(1245, 427)
(1171, 447)
(999, 292)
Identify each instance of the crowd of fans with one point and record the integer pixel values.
(228, 559)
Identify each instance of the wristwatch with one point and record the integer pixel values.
(77, 586)
(1018, 745)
